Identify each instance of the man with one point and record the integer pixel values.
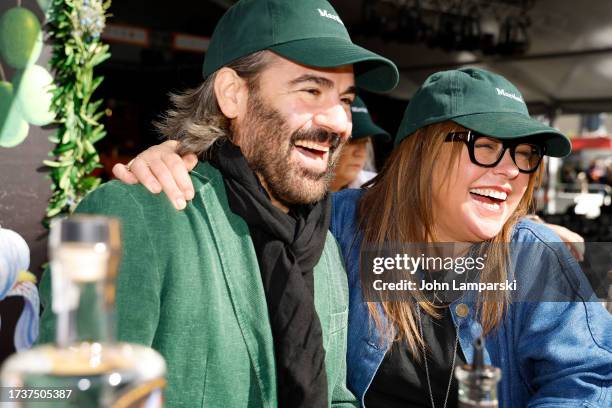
(155, 164)
(244, 292)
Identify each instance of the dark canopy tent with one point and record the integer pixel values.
(568, 64)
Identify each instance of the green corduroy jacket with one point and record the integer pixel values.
(189, 286)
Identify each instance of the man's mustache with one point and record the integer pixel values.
(317, 135)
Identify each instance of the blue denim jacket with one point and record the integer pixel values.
(552, 354)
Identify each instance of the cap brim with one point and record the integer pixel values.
(372, 72)
(370, 130)
(506, 125)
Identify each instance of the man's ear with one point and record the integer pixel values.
(231, 92)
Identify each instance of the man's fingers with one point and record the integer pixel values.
(168, 145)
(121, 172)
(190, 160)
(179, 173)
(576, 244)
(573, 241)
(578, 248)
(142, 172)
(169, 186)
(572, 250)
(159, 168)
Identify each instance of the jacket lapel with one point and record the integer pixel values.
(322, 296)
(242, 277)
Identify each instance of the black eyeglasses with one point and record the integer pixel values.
(488, 152)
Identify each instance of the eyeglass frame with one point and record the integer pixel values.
(469, 137)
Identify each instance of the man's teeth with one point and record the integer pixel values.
(500, 195)
(312, 145)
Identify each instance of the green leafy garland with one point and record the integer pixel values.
(74, 27)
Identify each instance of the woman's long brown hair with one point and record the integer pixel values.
(398, 208)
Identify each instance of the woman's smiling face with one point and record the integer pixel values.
(472, 203)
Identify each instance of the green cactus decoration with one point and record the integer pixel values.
(74, 27)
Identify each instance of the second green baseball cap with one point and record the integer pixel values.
(363, 125)
(308, 32)
(481, 101)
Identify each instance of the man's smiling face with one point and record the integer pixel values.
(293, 126)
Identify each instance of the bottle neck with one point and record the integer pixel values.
(90, 321)
(83, 296)
(478, 387)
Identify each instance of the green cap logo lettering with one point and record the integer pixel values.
(510, 95)
(327, 14)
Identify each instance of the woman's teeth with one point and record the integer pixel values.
(491, 206)
(485, 192)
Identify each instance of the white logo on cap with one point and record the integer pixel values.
(358, 109)
(327, 14)
(503, 92)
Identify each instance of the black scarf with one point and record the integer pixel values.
(288, 246)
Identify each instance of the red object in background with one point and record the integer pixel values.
(592, 143)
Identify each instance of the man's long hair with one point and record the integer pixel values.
(195, 119)
(398, 208)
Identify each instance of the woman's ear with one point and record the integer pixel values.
(231, 92)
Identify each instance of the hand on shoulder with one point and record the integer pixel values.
(160, 168)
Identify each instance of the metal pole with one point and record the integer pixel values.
(554, 164)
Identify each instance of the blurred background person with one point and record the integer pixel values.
(356, 164)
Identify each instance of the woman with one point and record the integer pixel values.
(466, 161)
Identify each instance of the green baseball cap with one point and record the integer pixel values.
(308, 32)
(481, 101)
(363, 126)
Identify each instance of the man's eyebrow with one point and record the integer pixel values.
(350, 90)
(321, 81)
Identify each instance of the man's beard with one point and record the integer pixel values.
(266, 142)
